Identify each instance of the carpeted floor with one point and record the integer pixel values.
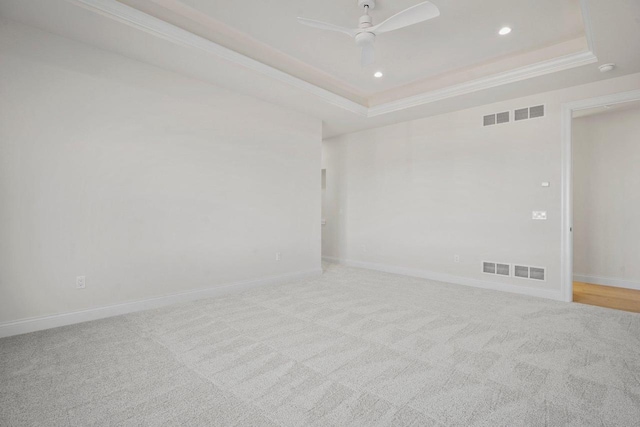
(353, 347)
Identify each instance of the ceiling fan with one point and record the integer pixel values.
(366, 32)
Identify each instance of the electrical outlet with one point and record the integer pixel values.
(539, 215)
(278, 256)
(456, 258)
(80, 282)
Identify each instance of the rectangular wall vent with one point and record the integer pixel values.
(497, 119)
(521, 271)
(536, 273)
(497, 268)
(503, 269)
(518, 115)
(502, 117)
(533, 273)
(537, 111)
(521, 114)
(489, 267)
(489, 120)
(528, 113)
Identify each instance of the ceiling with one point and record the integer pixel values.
(464, 36)
(455, 61)
(606, 109)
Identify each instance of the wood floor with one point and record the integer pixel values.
(607, 296)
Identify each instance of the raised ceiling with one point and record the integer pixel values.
(236, 44)
(463, 40)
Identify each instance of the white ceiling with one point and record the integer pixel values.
(464, 35)
(606, 109)
(283, 73)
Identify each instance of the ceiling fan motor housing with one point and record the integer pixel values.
(365, 38)
(365, 21)
(366, 32)
(364, 3)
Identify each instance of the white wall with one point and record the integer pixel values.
(414, 194)
(332, 233)
(146, 182)
(606, 197)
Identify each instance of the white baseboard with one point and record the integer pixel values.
(33, 324)
(607, 281)
(448, 278)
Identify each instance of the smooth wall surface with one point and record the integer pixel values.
(606, 197)
(145, 182)
(414, 195)
(332, 232)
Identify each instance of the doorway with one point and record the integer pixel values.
(323, 210)
(600, 207)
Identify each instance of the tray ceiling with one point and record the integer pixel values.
(191, 37)
(463, 41)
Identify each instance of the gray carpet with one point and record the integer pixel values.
(352, 347)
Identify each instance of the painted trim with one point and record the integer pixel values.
(157, 27)
(607, 281)
(448, 278)
(523, 73)
(140, 20)
(588, 29)
(566, 207)
(33, 324)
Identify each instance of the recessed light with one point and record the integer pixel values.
(504, 31)
(378, 74)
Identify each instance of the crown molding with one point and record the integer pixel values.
(523, 73)
(588, 30)
(157, 27)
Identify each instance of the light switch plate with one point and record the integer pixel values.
(539, 215)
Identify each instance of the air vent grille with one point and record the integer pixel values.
(497, 268)
(503, 269)
(521, 271)
(521, 114)
(489, 267)
(502, 117)
(518, 115)
(537, 111)
(536, 273)
(489, 120)
(533, 273)
(528, 113)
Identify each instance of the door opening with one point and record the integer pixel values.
(601, 212)
(323, 208)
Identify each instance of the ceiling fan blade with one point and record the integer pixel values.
(368, 55)
(413, 15)
(326, 26)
